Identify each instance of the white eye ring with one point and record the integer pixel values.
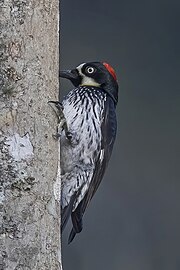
(90, 70)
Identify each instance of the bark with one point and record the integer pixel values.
(29, 176)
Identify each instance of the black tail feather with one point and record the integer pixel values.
(66, 212)
(71, 236)
(76, 217)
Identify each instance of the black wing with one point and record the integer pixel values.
(108, 128)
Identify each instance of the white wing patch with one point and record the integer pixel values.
(101, 155)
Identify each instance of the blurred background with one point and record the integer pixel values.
(133, 222)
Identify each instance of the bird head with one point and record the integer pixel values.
(94, 74)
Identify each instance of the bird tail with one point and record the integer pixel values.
(76, 218)
(71, 236)
(66, 212)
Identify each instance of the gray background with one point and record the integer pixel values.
(133, 222)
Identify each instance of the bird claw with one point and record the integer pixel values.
(56, 136)
(62, 124)
(57, 108)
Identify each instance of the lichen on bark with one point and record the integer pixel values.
(29, 211)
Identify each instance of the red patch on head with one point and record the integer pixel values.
(111, 70)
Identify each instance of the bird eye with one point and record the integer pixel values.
(90, 70)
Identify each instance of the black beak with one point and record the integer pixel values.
(71, 75)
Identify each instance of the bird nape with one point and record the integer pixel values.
(89, 113)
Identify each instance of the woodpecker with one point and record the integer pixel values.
(87, 141)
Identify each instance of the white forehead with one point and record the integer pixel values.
(79, 68)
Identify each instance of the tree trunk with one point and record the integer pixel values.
(29, 176)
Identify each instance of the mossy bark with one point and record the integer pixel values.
(29, 182)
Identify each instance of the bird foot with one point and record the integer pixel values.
(62, 124)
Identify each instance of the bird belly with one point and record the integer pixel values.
(85, 129)
(79, 156)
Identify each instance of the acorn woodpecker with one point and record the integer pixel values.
(87, 141)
